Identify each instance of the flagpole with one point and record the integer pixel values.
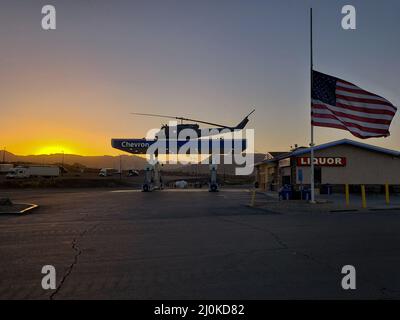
(312, 127)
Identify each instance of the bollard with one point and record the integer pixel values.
(347, 195)
(253, 198)
(364, 199)
(387, 193)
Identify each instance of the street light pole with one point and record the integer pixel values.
(62, 165)
(120, 167)
(312, 144)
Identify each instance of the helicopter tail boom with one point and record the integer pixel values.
(244, 122)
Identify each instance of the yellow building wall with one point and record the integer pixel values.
(363, 167)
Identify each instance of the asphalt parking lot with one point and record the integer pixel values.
(125, 244)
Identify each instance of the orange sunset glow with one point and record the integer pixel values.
(73, 89)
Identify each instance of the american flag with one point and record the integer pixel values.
(342, 105)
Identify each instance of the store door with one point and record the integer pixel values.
(285, 180)
(317, 175)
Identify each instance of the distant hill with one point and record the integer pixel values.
(128, 162)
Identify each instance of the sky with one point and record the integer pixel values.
(72, 89)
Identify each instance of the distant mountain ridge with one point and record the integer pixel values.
(127, 162)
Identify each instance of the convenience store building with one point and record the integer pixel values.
(337, 163)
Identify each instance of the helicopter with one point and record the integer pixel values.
(166, 129)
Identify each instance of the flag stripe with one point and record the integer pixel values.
(358, 133)
(363, 100)
(363, 107)
(352, 90)
(376, 127)
(343, 85)
(347, 84)
(349, 125)
(362, 117)
(362, 112)
(360, 95)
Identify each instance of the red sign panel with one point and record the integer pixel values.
(322, 161)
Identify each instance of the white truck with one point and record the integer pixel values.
(107, 172)
(33, 171)
(6, 167)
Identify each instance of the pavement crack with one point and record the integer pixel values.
(277, 239)
(283, 244)
(384, 291)
(78, 252)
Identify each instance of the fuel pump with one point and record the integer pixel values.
(152, 177)
(213, 183)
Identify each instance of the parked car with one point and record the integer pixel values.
(182, 184)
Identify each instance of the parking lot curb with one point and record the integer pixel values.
(30, 207)
(385, 209)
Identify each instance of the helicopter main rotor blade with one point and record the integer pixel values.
(205, 122)
(193, 120)
(179, 118)
(153, 115)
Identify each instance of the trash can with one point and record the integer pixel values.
(286, 193)
(326, 189)
(306, 194)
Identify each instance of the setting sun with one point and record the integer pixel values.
(53, 149)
